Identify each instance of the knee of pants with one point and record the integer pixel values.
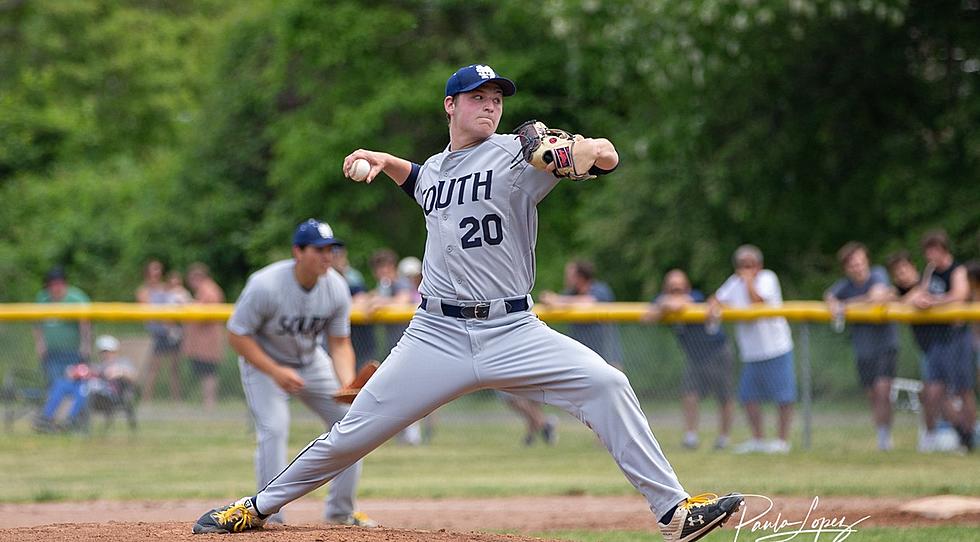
(272, 434)
(608, 380)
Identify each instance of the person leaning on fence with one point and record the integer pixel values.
(710, 362)
(61, 343)
(765, 346)
(949, 370)
(166, 336)
(203, 343)
(973, 274)
(361, 335)
(391, 289)
(875, 345)
(906, 285)
(583, 288)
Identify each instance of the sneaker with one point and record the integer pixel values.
(966, 438)
(721, 442)
(927, 442)
(357, 519)
(549, 433)
(690, 441)
(752, 446)
(697, 516)
(777, 446)
(238, 516)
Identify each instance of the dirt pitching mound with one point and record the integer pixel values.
(442, 520)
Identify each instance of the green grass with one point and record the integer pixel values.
(870, 534)
(476, 453)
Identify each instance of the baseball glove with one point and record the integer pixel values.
(541, 146)
(348, 393)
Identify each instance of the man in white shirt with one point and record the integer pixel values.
(765, 346)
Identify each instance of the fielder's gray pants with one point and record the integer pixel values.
(441, 358)
(269, 406)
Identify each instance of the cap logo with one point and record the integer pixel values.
(485, 72)
(324, 230)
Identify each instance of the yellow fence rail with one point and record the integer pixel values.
(795, 311)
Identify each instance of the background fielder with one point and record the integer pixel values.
(474, 329)
(282, 314)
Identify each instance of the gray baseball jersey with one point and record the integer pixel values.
(289, 323)
(474, 331)
(482, 221)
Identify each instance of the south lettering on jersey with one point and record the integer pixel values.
(441, 195)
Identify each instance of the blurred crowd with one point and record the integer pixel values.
(764, 346)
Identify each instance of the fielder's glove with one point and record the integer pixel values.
(541, 146)
(348, 393)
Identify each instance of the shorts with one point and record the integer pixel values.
(166, 344)
(203, 367)
(882, 365)
(713, 376)
(951, 362)
(768, 380)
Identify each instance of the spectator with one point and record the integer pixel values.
(179, 295)
(582, 288)
(765, 346)
(203, 342)
(70, 385)
(710, 361)
(391, 290)
(949, 369)
(535, 421)
(973, 274)
(410, 269)
(362, 335)
(166, 336)
(875, 345)
(907, 285)
(113, 382)
(61, 343)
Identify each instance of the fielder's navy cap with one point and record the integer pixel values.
(470, 77)
(316, 233)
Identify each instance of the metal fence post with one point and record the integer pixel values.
(806, 385)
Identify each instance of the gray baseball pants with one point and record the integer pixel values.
(269, 407)
(440, 358)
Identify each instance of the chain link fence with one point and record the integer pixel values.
(671, 364)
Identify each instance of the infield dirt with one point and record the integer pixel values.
(410, 520)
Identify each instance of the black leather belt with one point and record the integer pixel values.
(480, 310)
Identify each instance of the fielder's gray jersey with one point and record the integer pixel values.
(482, 221)
(286, 319)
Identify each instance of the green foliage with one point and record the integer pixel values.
(195, 130)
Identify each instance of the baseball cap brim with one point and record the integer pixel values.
(506, 85)
(327, 242)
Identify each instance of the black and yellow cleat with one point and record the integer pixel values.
(238, 516)
(697, 516)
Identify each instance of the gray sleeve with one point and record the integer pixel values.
(251, 310)
(535, 182)
(340, 322)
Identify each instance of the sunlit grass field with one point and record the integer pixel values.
(477, 451)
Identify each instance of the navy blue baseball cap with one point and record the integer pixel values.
(470, 77)
(316, 233)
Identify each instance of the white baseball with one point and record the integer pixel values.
(359, 169)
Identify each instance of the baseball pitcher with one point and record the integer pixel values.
(474, 328)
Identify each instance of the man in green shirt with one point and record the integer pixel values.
(61, 343)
